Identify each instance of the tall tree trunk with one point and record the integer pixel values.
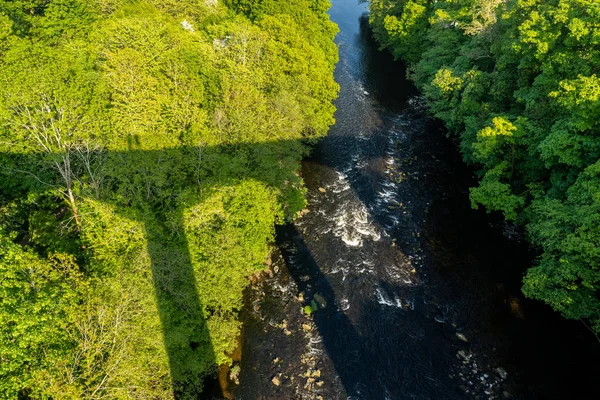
(73, 207)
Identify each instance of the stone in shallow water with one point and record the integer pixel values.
(462, 337)
(502, 372)
(320, 300)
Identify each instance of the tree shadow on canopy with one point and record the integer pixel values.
(146, 185)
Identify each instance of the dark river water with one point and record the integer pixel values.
(417, 296)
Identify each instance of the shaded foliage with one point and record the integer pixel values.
(516, 84)
(147, 149)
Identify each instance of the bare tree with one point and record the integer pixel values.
(55, 130)
(91, 158)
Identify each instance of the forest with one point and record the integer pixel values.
(147, 149)
(516, 84)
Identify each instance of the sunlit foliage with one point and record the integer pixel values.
(147, 149)
(516, 83)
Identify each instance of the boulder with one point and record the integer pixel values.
(501, 372)
(320, 300)
(462, 337)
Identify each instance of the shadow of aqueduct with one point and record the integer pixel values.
(140, 172)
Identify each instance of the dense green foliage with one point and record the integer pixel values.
(147, 148)
(516, 83)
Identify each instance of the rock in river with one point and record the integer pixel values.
(320, 300)
(502, 372)
(462, 337)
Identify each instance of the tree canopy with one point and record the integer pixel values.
(147, 148)
(516, 83)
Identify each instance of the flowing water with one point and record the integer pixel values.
(417, 295)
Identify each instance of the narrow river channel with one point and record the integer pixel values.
(416, 295)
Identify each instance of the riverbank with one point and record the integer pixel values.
(422, 292)
(516, 96)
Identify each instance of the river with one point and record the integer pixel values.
(416, 294)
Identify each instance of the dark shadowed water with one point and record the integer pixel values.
(417, 295)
